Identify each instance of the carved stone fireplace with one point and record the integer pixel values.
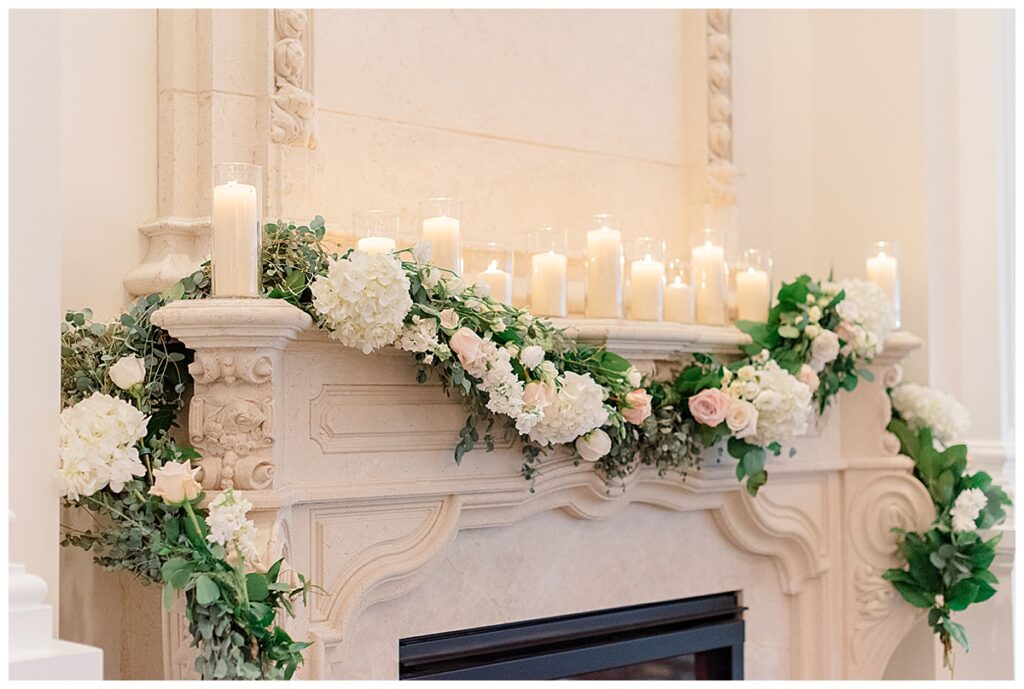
(349, 465)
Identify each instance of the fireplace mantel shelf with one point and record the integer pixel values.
(348, 462)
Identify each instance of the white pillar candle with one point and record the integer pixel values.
(708, 263)
(753, 295)
(376, 245)
(499, 281)
(679, 302)
(443, 233)
(646, 289)
(547, 284)
(236, 246)
(604, 273)
(883, 270)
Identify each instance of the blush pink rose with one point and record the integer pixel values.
(845, 331)
(709, 407)
(539, 395)
(808, 377)
(638, 406)
(467, 345)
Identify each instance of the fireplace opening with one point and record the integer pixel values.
(689, 639)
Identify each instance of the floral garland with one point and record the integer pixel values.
(518, 376)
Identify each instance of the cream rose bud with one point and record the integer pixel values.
(814, 314)
(638, 406)
(812, 331)
(547, 370)
(594, 445)
(741, 418)
(531, 357)
(634, 377)
(808, 377)
(423, 250)
(709, 406)
(467, 345)
(128, 372)
(449, 319)
(175, 482)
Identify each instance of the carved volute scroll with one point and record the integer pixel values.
(721, 170)
(292, 105)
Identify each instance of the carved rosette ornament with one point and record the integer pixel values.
(721, 170)
(231, 419)
(293, 105)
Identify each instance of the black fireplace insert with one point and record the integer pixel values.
(693, 638)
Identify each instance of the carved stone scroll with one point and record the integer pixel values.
(292, 105)
(721, 170)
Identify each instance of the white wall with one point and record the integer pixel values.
(34, 292)
(108, 142)
(852, 126)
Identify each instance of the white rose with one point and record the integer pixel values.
(431, 277)
(531, 357)
(128, 372)
(423, 250)
(741, 417)
(449, 319)
(633, 377)
(175, 482)
(594, 445)
(454, 284)
(482, 288)
(824, 348)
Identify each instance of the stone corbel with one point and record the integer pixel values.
(175, 248)
(237, 371)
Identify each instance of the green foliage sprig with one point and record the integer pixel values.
(946, 570)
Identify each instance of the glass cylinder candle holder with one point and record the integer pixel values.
(707, 264)
(604, 262)
(678, 292)
(647, 280)
(548, 268)
(492, 264)
(376, 231)
(883, 269)
(440, 224)
(237, 230)
(754, 286)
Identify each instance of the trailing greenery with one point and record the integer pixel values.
(811, 334)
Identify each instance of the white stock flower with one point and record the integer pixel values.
(966, 509)
(594, 445)
(128, 372)
(781, 401)
(229, 526)
(97, 445)
(419, 336)
(920, 406)
(363, 300)
(500, 382)
(867, 305)
(578, 409)
(531, 357)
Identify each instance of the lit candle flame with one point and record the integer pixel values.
(493, 267)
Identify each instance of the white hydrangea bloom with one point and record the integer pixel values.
(363, 300)
(578, 408)
(97, 445)
(867, 305)
(966, 509)
(229, 526)
(782, 402)
(920, 406)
